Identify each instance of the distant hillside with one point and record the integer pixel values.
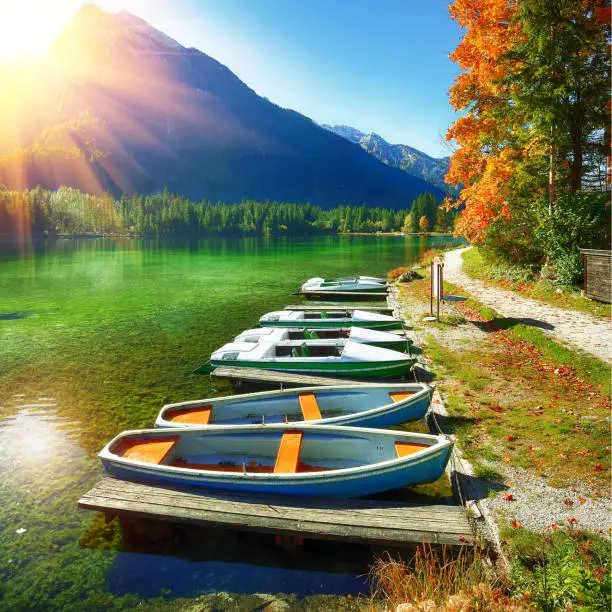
(120, 106)
(414, 162)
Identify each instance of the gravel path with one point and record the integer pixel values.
(581, 330)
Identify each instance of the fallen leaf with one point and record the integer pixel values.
(581, 500)
(515, 524)
(568, 502)
(562, 456)
(584, 453)
(508, 497)
(572, 521)
(511, 438)
(598, 467)
(461, 539)
(555, 526)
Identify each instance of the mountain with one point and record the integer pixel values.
(120, 106)
(414, 162)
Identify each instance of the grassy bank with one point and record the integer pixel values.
(530, 285)
(526, 411)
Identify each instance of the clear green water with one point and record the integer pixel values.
(97, 334)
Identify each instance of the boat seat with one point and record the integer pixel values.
(404, 449)
(309, 406)
(199, 415)
(398, 396)
(288, 453)
(305, 350)
(147, 451)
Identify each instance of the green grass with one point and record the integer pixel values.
(525, 282)
(561, 570)
(519, 397)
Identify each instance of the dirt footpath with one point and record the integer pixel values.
(581, 330)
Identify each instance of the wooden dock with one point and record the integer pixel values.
(344, 295)
(332, 307)
(275, 378)
(366, 521)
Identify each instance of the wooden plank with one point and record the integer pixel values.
(288, 453)
(322, 295)
(598, 276)
(309, 406)
(358, 520)
(261, 376)
(332, 307)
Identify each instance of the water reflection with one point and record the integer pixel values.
(113, 328)
(36, 436)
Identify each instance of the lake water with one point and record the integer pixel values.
(97, 334)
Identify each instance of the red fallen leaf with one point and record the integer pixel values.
(572, 521)
(562, 456)
(597, 494)
(515, 524)
(568, 502)
(584, 453)
(555, 526)
(540, 413)
(598, 467)
(511, 438)
(508, 497)
(461, 539)
(497, 409)
(581, 500)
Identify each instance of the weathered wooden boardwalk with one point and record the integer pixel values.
(344, 295)
(275, 378)
(332, 307)
(355, 520)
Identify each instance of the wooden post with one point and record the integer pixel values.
(441, 288)
(431, 281)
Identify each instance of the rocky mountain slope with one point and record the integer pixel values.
(411, 160)
(120, 106)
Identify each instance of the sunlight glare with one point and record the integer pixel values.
(27, 27)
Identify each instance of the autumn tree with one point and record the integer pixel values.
(423, 224)
(533, 97)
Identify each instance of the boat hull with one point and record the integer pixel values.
(422, 472)
(424, 466)
(333, 323)
(364, 405)
(361, 335)
(353, 369)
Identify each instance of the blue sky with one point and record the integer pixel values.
(377, 65)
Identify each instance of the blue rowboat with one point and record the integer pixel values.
(305, 460)
(368, 405)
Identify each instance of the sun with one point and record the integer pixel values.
(27, 27)
(23, 34)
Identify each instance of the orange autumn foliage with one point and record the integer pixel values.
(485, 161)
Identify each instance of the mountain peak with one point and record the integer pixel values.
(91, 22)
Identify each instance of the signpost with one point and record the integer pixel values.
(437, 289)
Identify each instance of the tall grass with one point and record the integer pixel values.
(441, 579)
